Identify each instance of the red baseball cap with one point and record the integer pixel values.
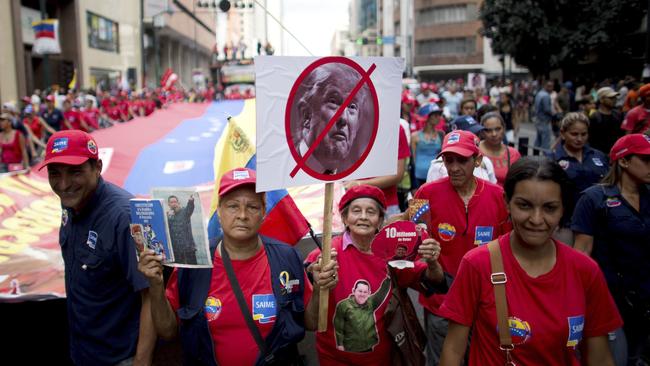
(363, 191)
(50, 98)
(635, 143)
(236, 178)
(71, 147)
(463, 143)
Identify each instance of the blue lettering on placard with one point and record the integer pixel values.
(264, 308)
(483, 234)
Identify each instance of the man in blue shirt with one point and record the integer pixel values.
(543, 116)
(107, 298)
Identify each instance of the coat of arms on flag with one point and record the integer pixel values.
(46, 35)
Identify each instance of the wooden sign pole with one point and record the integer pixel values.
(326, 252)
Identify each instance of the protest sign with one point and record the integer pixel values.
(326, 119)
(320, 120)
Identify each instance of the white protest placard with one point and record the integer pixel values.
(326, 119)
(476, 80)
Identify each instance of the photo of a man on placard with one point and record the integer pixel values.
(180, 230)
(317, 99)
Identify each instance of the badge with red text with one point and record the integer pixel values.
(398, 243)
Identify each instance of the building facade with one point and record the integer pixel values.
(448, 43)
(181, 35)
(99, 45)
(438, 39)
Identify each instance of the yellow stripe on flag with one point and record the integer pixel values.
(235, 147)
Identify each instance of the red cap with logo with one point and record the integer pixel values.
(236, 178)
(363, 191)
(635, 143)
(463, 143)
(71, 147)
(50, 98)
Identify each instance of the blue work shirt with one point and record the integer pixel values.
(591, 170)
(54, 118)
(621, 236)
(102, 281)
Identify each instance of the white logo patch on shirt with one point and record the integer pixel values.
(92, 239)
(264, 308)
(597, 161)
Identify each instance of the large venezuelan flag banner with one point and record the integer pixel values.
(236, 149)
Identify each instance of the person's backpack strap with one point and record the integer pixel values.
(499, 279)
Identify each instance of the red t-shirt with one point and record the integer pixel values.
(233, 342)
(457, 229)
(135, 106)
(149, 107)
(106, 103)
(354, 266)
(501, 163)
(636, 120)
(74, 118)
(548, 315)
(124, 106)
(91, 116)
(11, 152)
(35, 125)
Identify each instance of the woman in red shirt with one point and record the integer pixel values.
(36, 124)
(356, 332)
(557, 297)
(12, 145)
(501, 155)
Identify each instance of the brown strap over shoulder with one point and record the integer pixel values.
(499, 279)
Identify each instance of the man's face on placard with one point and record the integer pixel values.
(338, 142)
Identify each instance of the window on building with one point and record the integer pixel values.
(446, 46)
(447, 14)
(103, 33)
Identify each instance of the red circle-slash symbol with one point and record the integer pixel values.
(301, 160)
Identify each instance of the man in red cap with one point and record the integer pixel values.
(53, 116)
(465, 212)
(253, 306)
(637, 120)
(107, 298)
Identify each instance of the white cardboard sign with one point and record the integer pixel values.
(326, 119)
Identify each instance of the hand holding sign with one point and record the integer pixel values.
(429, 250)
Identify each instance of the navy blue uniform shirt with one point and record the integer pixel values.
(621, 236)
(54, 118)
(591, 170)
(102, 281)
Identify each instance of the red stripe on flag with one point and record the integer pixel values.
(45, 34)
(285, 222)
